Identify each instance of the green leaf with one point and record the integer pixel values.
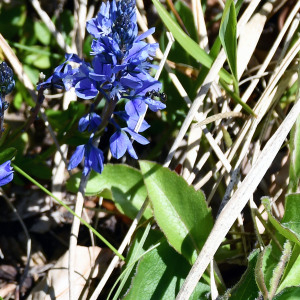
(186, 42)
(12, 18)
(290, 293)
(36, 168)
(63, 120)
(227, 35)
(285, 229)
(187, 18)
(160, 274)
(144, 239)
(291, 218)
(120, 183)
(7, 154)
(42, 33)
(246, 288)
(180, 211)
(292, 271)
(18, 100)
(32, 73)
(295, 157)
(42, 62)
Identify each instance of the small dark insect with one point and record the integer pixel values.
(163, 97)
(154, 93)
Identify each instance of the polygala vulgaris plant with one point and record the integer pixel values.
(120, 69)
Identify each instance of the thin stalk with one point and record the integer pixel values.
(106, 115)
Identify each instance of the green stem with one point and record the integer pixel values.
(70, 210)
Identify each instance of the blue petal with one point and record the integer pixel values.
(90, 121)
(132, 122)
(135, 107)
(76, 157)
(118, 144)
(85, 89)
(137, 137)
(93, 160)
(6, 173)
(154, 105)
(145, 34)
(130, 81)
(131, 151)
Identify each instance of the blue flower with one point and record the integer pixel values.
(134, 110)
(90, 122)
(120, 142)
(6, 173)
(120, 67)
(93, 158)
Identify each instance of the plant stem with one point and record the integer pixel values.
(69, 209)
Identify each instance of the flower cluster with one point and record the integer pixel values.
(7, 84)
(121, 61)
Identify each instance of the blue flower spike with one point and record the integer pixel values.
(119, 69)
(7, 84)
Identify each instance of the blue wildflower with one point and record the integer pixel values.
(120, 142)
(90, 122)
(119, 70)
(93, 158)
(134, 110)
(6, 173)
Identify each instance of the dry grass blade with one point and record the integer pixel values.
(175, 80)
(250, 36)
(237, 203)
(211, 76)
(271, 53)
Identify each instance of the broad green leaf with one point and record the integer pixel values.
(291, 218)
(285, 229)
(292, 271)
(186, 42)
(145, 238)
(290, 293)
(120, 183)
(295, 157)
(7, 154)
(42, 33)
(180, 211)
(160, 274)
(227, 35)
(246, 288)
